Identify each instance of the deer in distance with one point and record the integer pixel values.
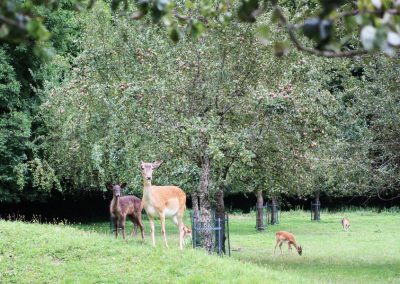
(122, 207)
(286, 237)
(346, 224)
(161, 202)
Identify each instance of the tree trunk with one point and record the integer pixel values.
(205, 218)
(274, 211)
(195, 202)
(317, 206)
(260, 211)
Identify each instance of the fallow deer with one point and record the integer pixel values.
(187, 233)
(122, 207)
(286, 237)
(161, 202)
(346, 224)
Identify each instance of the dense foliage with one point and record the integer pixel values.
(336, 28)
(221, 110)
(23, 174)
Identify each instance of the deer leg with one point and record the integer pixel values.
(280, 247)
(141, 228)
(138, 220)
(181, 231)
(290, 248)
(277, 242)
(132, 218)
(175, 220)
(116, 226)
(162, 221)
(152, 231)
(135, 227)
(123, 220)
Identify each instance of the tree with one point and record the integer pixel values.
(24, 176)
(336, 28)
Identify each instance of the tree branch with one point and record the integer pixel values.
(12, 23)
(365, 12)
(291, 30)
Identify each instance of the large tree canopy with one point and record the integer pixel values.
(217, 106)
(325, 28)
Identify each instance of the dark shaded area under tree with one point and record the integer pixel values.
(93, 206)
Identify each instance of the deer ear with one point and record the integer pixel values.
(141, 165)
(123, 185)
(157, 163)
(109, 186)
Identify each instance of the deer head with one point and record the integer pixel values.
(299, 250)
(147, 169)
(116, 188)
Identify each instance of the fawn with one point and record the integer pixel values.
(122, 207)
(346, 224)
(286, 237)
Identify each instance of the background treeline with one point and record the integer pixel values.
(223, 112)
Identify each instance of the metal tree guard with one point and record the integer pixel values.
(315, 211)
(273, 212)
(263, 224)
(214, 229)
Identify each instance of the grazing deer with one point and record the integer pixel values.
(161, 202)
(346, 224)
(122, 207)
(286, 237)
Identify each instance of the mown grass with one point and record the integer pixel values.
(87, 253)
(368, 253)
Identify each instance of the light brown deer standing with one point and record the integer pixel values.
(346, 224)
(161, 202)
(286, 237)
(122, 207)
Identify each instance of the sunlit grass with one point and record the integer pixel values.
(88, 253)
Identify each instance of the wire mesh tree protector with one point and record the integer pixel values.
(272, 213)
(315, 211)
(207, 232)
(260, 223)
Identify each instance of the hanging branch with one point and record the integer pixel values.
(291, 31)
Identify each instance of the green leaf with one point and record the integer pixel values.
(115, 4)
(44, 52)
(143, 6)
(196, 29)
(37, 30)
(247, 9)
(318, 30)
(174, 34)
(263, 34)
(162, 5)
(189, 4)
(4, 31)
(368, 34)
(159, 10)
(280, 49)
(393, 38)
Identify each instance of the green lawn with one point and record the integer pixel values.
(87, 253)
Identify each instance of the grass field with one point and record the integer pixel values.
(87, 253)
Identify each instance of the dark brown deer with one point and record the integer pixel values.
(122, 207)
